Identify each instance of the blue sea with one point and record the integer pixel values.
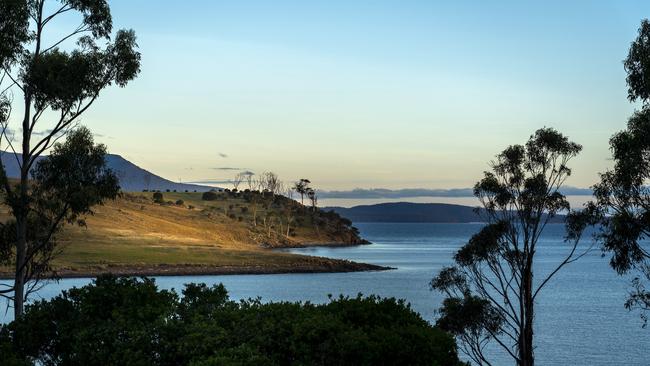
(580, 315)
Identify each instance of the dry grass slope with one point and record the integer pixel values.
(135, 235)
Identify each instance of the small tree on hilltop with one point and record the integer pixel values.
(301, 188)
(237, 180)
(57, 87)
(158, 197)
(490, 291)
(311, 194)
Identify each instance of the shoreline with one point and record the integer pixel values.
(329, 266)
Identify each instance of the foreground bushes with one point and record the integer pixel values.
(124, 321)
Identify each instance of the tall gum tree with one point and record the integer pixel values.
(57, 86)
(492, 288)
(621, 209)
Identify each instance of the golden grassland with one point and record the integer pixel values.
(135, 235)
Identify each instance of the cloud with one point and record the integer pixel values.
(211, 181)
(42, 133)
(103, 136)
(223, 155)
(227, 168)
(423, 192)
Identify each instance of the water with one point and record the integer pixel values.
(580, 316)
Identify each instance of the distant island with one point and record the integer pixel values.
(405, 212)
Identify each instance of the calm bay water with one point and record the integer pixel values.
(580, 316)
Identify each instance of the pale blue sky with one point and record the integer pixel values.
(366, 93)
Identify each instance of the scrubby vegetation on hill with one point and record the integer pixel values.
(152, 233)
(125, 321)
(272, 220)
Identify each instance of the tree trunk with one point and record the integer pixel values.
(21, 254)
(20, 212)
(526, 354)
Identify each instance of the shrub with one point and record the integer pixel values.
(191, 207)
(244, 209)
(158, 197)
(128, 321)
(180, 202)
(209, 196)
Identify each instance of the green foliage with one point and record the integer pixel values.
(124, 321)
(490, 290)
(621, 210)
(209, 196)
(637, 65)
(14, 24)
(158, 197)
(57, 86)
(65, 186)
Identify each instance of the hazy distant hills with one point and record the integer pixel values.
(402, 212)
(132, 177)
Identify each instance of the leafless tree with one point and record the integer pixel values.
(237, 180)
(250, 179)
(271, 182)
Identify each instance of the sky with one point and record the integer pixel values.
(390, 94)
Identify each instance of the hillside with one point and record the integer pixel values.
(132, 177)
(413, 212)
(184, 234)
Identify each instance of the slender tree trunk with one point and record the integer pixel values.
(21, 254)
(526, 354)
(21, 212)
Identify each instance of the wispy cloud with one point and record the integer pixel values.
(223, 155)
(227, 168)
(211, 181)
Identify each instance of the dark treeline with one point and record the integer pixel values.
(125, 321)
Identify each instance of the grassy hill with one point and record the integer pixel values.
(185, 234)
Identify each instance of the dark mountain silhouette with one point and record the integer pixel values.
(132, 177)
(413, 212)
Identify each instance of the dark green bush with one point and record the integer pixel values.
(209, 196)
(158, 197)
(125, 321)
(180, 202)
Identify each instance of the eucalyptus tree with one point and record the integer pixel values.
(301, 187)
(313, 197)
(621, 209)
(491, 290)
(59, 75)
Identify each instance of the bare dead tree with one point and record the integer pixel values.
(237, 180)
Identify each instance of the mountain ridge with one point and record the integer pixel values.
(132, 177)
